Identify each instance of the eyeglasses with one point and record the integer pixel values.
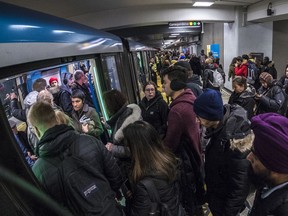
(148, 90)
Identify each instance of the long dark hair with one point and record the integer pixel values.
(114, 100)
(149, 155)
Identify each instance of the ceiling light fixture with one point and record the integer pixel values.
(206, 3)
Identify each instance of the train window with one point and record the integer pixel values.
(112, 72)
(6, 87)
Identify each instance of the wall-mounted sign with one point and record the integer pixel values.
(185, 24)
(215, 49)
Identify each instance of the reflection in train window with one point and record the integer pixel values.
(112, 72)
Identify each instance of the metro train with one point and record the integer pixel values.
(33, 45)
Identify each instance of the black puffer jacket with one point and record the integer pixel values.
(155, 112)
(168, 193)
(244, 99)
(275, 204)
(273, 99)
(55, 143)
(226, 169)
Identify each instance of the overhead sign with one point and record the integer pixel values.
(185, 24)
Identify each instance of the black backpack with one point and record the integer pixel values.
(252, 73)
(85, 190)
(157, 208)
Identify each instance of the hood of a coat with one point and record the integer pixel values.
(30, 99)
(234, 126)
(250, 91)
(55, 140)
(134, 116)
(187, 96)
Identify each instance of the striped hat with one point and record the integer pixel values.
(266, 77)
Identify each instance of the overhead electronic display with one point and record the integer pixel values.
(185, 24)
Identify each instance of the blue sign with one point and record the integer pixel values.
(215, 49)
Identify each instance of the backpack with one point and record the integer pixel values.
(218, 80)
(158, 208)
(85, 190)
(253, 72)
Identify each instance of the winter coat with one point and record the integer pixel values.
(168, 193)
(226, 166)
(95, 126)
(182, 125)
(155, 112)
(208, 76)
(270, 68)
(125, 116)
(231, 72)
(62, 98)
(274, 204)
(244, 99)
(29, 100)
(195, 65)
(273, 99)
(241, 70)
(55, 143)
(284, 82)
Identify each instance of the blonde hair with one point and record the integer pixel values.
(62, 118)
(41, 114)
(243, 144)
(45, 96)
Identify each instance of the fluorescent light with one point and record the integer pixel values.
(175, 34)
(62, 32)
(202, 4)
(23, 27)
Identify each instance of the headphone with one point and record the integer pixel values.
(177, 84)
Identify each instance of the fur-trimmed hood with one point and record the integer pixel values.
(134, 114)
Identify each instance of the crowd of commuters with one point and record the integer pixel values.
(189, 152)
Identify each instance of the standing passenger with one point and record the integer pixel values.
(270, 97)
(55, 147)
(153, 163)
(121, 114)
(85, 118)
(243, 95)
(183, 136)
(61, 95)
(226, 166)
(79, 83)
(269, 160)
(154, 108)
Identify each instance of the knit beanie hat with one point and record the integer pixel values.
(271, 141)
(209, 105)
(52, 79)
(266, 77)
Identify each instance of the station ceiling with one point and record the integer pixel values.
(115, 15)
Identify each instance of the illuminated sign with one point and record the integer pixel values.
(185, 24)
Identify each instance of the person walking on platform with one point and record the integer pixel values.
(75, 169)
(154, 109)
(226, 166)
(269, 161)
(183, 136)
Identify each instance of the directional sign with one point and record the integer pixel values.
(185, 24)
